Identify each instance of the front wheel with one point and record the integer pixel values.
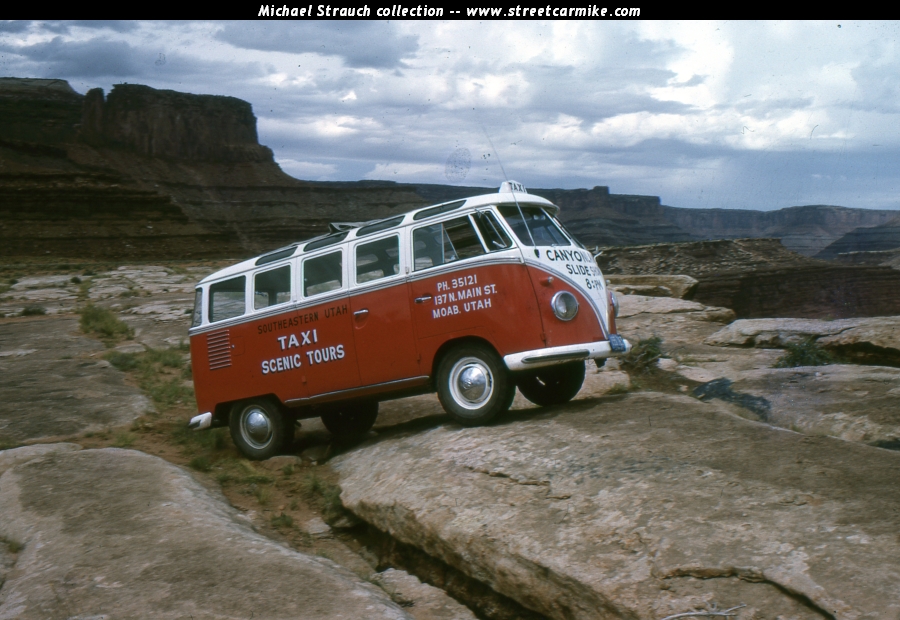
(259, 428)
(473, 385)
(552, 385)
(352, 419)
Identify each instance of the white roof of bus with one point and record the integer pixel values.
(409, 218)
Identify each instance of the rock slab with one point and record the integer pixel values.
(644, 506)
(120, 534)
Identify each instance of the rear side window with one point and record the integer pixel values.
(227, 299)
(376, 260)
(271, 288)
(323, 274)
(444, 243)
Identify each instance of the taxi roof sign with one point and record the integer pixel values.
(512, 186)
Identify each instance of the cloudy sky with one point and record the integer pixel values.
(758, 115)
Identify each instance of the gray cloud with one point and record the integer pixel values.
(14, 26)
(92, 58)
(358, 43)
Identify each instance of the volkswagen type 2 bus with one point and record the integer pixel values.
(470, 298)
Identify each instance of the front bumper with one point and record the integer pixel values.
(560, 355)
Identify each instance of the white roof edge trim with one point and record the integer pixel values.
(482, 200)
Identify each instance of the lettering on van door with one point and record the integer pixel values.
(463, 294)
(302, 339)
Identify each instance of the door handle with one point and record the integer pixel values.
(422, 299)
(361, 313)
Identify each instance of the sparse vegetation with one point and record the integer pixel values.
(200, 463)
(13, 545)
(283, 520)
(619, 388)
(104, 324)
(806, 353)
(160, 374)
(643, 356)
(124, 440)
(326, 495)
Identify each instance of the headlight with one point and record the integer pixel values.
(615, 303)
(564, 305)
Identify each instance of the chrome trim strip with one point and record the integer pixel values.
(558, 355)
(344, 394)
(582, 354)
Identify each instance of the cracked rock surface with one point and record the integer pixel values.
(117, 533)
(642, 506)
(55, 382)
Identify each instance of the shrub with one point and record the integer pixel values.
(806, 353)
(102, 322)
(122, 361)
(643, 356)
(124, 440)
(200, 463)
(33, 311)
(283, 520)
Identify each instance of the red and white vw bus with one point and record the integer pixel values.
(470, 298)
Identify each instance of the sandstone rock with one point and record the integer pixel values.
(682, 287)
(317, 528)
(422, 601)
(854, 403)
(633, 305)
(761, 278)
(871, 339)
(117, 533)
(278, 463)
(16, 456)
(643, 506)
(59, 389)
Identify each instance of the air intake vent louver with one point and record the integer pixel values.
(218, 349)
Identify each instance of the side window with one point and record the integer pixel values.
(378, 259)
(491, 231)
(272, 287)
(323, 274)
(197, 316)
(226, 299)
(444, 243)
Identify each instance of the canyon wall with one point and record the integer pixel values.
(143, 173)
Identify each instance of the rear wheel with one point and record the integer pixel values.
(259, 428)
(474, 385)
(351, 419)
(553, 385)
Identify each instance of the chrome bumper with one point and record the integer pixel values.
(200, 422)
(561, 355)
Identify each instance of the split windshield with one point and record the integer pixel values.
(543, 229)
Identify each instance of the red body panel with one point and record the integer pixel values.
(492, 301)
(383, 331)
(583, 328)
(326, 347)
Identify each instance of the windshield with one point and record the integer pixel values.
(543, 230)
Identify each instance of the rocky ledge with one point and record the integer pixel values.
(117, 533)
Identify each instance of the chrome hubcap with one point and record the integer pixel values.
(256, 427)
(471, 383)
